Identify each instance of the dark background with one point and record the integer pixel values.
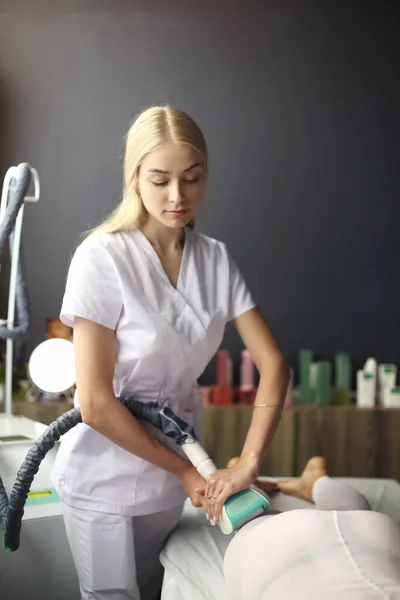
(299, 103)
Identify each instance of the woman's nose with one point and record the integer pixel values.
(175, 193)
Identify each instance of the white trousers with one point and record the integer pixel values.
(117, 556)
(339, 551)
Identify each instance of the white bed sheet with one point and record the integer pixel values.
(193, 556)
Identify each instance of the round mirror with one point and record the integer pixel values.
(51, 366)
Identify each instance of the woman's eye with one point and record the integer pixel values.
(164, 183)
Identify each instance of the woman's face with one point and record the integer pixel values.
(171, 184)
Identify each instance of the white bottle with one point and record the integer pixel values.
(371, 366)
(365, 389)
(387, 374)
(394, 398)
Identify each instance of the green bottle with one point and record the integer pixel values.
(305, 360)
(323, 379)
(342, 371)
(341, 392)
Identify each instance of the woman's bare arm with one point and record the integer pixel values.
(274, 379)
(95, 362)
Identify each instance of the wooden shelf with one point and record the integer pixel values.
(357, 442)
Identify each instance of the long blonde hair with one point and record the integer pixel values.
(152, 128)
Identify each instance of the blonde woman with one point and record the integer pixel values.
(149, 299)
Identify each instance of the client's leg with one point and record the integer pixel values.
(313, 555)
(315, 485)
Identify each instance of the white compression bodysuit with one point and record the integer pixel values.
(340, 551)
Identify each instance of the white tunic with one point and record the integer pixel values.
(165, 337)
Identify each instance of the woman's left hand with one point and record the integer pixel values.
(225, 482)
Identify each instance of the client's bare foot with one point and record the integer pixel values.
(303, 485)
(267, 486)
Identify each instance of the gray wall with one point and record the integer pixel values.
(299, 103)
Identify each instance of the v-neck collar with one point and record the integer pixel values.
(156, 262)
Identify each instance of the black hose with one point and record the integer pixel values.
(12, 510)
(16, 197)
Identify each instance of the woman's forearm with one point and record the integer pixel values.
(113, 420)
(272, 389)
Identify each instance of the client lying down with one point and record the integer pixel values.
(342, 550)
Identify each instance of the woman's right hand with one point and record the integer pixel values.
(194, 485)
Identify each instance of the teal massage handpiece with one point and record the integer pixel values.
(240, 508)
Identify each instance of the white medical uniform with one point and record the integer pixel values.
(165, 337)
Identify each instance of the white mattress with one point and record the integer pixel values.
(193, 556)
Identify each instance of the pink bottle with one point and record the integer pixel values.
(247, 390)
(224, 368)
(223, 392)
(205, 395)
(247, 371)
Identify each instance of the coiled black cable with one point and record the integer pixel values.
(12, 510)
(16, 197)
